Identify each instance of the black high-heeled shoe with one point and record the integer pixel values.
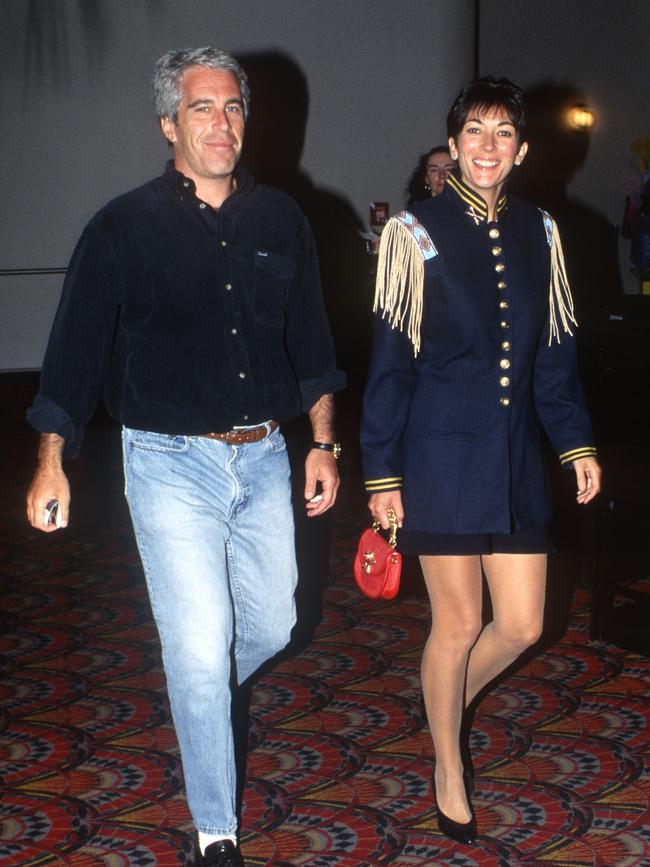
(465, 752)
(461, 832)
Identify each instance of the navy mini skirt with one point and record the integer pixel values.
(531, 540)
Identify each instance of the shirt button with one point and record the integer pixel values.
(504, 363)
(245, 418)
(501, 284)
(504, 381)
(494, 233)
(242, 375)
(504, 401)
(499, 267)
(504, 324)
(202, 205)
(228, 286)
(186, 183)
(233, 331)
(496, 251)
(503, 305)
(505, 345)
(224, 243)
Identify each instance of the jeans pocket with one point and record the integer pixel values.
(156, 442)
(275, 442)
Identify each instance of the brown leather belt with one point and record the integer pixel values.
(248, 435)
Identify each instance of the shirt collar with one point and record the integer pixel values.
(185, 186)
(472, 204)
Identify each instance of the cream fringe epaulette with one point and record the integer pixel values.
(560, 300)
(399, 290)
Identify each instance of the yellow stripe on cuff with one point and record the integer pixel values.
(575, 454)
(383, 484)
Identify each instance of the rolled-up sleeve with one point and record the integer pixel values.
(308, 337)
(79, 349)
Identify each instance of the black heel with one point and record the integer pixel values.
(465, 752)
(461, 832)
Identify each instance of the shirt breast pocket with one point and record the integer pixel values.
(272, 278)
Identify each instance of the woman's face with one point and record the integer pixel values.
(486, 148)
(439, 167)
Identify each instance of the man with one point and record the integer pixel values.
(193, 305)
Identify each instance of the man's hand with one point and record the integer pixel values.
(379, 504)
(588, 475)
(320, 466)
(49, 483)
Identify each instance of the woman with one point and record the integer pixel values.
(430, 176)
(473, 356)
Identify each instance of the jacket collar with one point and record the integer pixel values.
(471, 203)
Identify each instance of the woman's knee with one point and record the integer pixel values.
(521, 634)
(458, 633)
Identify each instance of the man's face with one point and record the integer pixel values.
(209, 131)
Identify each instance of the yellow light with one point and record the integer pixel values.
(580, 117)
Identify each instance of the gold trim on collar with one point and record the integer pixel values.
(477, 207)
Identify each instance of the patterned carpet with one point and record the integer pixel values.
(340, 757)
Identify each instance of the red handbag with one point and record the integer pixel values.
(377, 563)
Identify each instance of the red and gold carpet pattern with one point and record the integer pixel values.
(340, 761)
(339, 769)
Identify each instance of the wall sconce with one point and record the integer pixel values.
(581, 118)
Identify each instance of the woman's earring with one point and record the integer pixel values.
(427, 188)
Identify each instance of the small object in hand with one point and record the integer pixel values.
(316, 499)
(52, 513)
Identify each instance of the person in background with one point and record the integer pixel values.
(431, 174)
(473, 359)
(193, 306)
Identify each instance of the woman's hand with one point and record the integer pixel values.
(379, 504)
(588, 475)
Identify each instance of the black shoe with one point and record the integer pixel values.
(461, 832)
(223, 853)
(465, 753)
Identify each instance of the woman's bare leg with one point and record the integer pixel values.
(454, 587)
(517, 585)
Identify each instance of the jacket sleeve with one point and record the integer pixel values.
(386, 405)
(559, 399)
(309, 339)
(557, 389)
(79, 348)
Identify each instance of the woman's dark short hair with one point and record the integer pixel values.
(486, 95)
(439, 149)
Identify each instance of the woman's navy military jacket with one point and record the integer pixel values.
(459, 427)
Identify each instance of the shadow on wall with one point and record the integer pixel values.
(555, 155)
(273, 148)
(275, 135)
(56, 29)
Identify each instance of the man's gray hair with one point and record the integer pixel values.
(168, 77)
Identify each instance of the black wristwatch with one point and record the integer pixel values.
(335, 448)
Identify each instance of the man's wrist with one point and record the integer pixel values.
(333, 447)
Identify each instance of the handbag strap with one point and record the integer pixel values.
(392, 517)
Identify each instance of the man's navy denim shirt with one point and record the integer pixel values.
(186, 319)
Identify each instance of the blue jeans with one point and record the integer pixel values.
(214, 528)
